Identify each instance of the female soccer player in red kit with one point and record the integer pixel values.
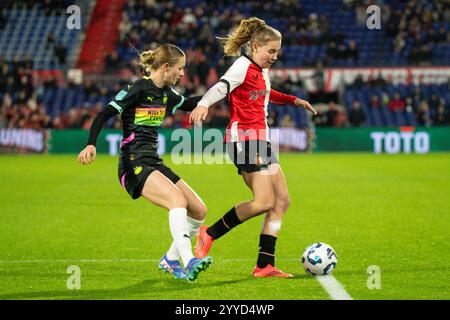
(247, 85)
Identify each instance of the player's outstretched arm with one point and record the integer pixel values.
(188, 104)
(281, 98)
(305, 104)
(88, 154)
(213, 95)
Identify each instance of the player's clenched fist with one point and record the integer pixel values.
(87, 155)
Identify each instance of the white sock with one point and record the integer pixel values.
(194, 226)
(172, 253)
(180, 232)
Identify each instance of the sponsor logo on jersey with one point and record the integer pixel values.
(149, 116)
(254, 94)
(137, 170)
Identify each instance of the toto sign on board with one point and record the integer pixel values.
(405, 141)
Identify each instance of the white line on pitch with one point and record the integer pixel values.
(333, 287)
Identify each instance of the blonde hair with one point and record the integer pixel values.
(252, 30)
(166, 53)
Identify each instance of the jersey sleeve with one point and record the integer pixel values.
(235, 75)
(215, 93)
(233, 78)
(178, 102)
(281, 98)
(128, 97)
(98, 123)
(174, 100)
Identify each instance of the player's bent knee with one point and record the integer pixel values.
(178, 200)
(264, 205)
(283, 203)
(270, 203)
(200, 212)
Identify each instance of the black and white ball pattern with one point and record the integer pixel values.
(319, 259)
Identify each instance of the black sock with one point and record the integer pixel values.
(266, 250)
(224, 224)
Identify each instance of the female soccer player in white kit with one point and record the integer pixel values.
(247, 85)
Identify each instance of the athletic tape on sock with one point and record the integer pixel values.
(275, 225)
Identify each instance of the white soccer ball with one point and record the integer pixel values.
(319, 259)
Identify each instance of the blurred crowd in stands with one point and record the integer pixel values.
(418, 29)
(22, 105)
(411, 29)
(48, 6)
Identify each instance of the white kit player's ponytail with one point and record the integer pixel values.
(249, 31)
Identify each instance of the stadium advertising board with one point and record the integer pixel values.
(389, 140)
(179, 140)
(383, 140)
(22, 141)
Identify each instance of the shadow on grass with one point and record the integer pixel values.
(120, 293)
(145, 289)
(301, 276)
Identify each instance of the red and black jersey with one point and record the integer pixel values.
(249, 94)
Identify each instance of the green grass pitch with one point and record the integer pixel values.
(392, 211)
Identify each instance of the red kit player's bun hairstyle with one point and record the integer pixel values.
(251, 30)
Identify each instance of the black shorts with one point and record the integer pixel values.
(251, 156)
(133, 179)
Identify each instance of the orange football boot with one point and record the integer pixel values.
(270, 271)
(204, 242)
